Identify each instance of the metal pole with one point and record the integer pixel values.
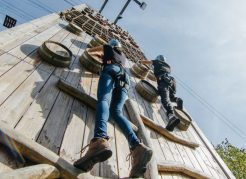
(104, 4)
(121, 12)
(137, 2)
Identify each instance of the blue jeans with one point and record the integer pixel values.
(105, 106)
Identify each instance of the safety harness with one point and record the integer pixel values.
(120, 78)
(112, 56)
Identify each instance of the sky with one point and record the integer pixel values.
(203, 41)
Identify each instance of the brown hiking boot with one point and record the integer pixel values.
(141, 155)
(99, 151)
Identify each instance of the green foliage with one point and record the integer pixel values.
(234, 158)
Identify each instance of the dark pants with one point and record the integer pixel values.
(163, 89)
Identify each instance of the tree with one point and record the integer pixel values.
(234, 158)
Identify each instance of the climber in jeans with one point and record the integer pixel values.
(166, 88)
(111, 93)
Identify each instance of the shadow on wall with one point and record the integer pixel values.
(76, 43)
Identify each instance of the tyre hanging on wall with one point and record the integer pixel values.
(185, 119)
(96, 41)
(147, 91)
(74, 28)
(91, 63)
(55, 53)
(151, 76)
(139, 70)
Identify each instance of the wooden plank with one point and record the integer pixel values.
(122, 150)
(42, 171)
(165, 175)
(55, 125)
(74, 133)
(180, 168)
(36, 23)
(90, 123)
(202, 159)
(161, 130)
(23, 96)
(109, 168)
(77, 121)
(210, 156)
(13, 78)
(18, 36)
(15, 106)
(30, 45)
(37, 153)
(7, 62)
(33, 120)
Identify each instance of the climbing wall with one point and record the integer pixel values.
(32, 106)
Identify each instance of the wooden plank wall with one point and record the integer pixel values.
(31, 104)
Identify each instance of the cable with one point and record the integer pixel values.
(47, 7)
(39, 6)
(212, 109)
(14, 12)
(11, 5)
(69, 2)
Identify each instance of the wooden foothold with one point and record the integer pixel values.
(151, 76)
(72, 27)
(139, 70)
(38, 153)
(96, 41)
(55, 53)
(147, 91)
(161, 130)
(91, 64)
(181, 168)
(41, 171)
(185, 119)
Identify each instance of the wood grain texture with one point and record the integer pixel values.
(134, 115)
(38, 153)
(161, 130)
(16, 104)
(180, 168)
(81, 96)
(52, 134)
(42, 171)
(35, 116)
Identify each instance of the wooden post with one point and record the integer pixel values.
(161, 130)
(82, 96)
(181, 168)
(38, 153)
(135, 117)
(42, 171)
